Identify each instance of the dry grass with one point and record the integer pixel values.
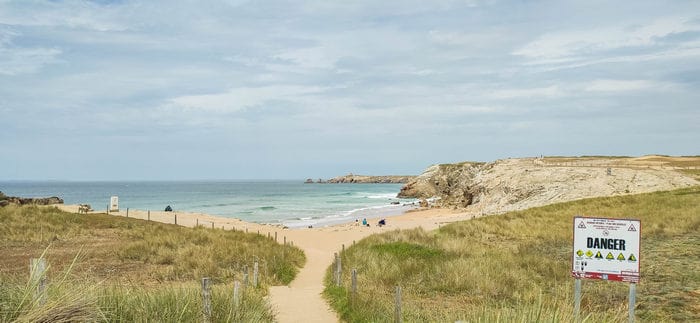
(114, 269)
(518, 265)
(125, 250)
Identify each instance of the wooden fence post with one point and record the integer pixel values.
(255, 274)
(397, 313)
(127, 212)
(149, 215)
(245, 276)
(338, 270)
(212, 225)
(176, 219)
(196, 223)
(206, 299)
(285, 240)
(37, 276)
(354, 284)
(236, 293)
(275, 236)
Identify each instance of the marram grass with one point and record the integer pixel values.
(130, 270)
(515, 267)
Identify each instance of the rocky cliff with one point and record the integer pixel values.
(515, 184)
(350, 178)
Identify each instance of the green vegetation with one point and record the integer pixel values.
(516, 266)
(133, 270)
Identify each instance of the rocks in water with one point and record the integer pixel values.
(168, 209)
(365, 179)
(7, 200)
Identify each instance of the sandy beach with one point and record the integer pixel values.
(301, 301)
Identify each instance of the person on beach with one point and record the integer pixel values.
(381, 223)
(364, 222)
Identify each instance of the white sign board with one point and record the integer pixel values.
(114, 204)
(606, 249)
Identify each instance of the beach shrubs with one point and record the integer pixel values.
(516, 267)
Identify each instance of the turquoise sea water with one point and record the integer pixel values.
(290, 203)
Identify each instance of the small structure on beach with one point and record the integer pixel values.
(114, 204)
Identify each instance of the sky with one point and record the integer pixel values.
(177, 90)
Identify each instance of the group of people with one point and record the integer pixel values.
(381, 222)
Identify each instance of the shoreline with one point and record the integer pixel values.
(427, 218)
(191, 219)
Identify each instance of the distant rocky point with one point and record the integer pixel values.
(7, 200)
(365, 179)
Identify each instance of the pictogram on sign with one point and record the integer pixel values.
(632, 258)
(610, 256)
(621, 256)
(632, 228)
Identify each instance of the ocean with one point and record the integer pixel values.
(289, 203)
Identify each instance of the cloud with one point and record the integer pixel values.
(15, 60)
(343, 80)
(589, 44)
(552, 91)
(626, 85)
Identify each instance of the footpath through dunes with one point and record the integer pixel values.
(302, 301)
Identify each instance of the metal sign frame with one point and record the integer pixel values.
(606, 248)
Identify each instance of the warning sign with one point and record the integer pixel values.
(606, 249)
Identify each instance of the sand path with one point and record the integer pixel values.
(302, 301)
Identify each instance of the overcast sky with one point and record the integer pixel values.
(94, 90)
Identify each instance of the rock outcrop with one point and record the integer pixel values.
(515, 184)
(351, 178)
(7, 200)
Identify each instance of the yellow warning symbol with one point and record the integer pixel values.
(579, 253)
(632, 258)
(589, 253)
(620, 256)
(598, 255)
(610, 256)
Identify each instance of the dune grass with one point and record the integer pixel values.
(126, 249)
(516, 266)
(115, 269)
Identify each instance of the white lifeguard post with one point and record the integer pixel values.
(114, 204)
